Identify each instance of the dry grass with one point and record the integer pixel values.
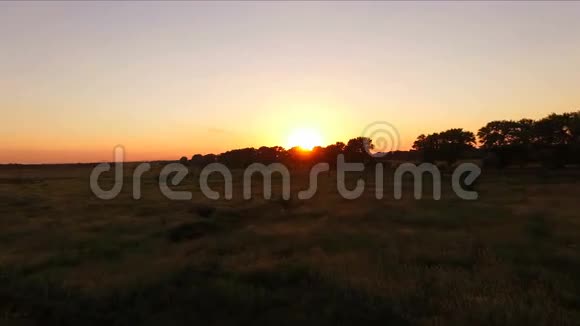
(511, 257)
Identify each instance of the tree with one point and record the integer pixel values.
(427, 143)
(553, 140)
(269, 155)
(356, 149)
(238, 158)
(558, 129)
(448, 145)
(497, 133)
(510, 141)
(196, 159)
(331, 152)
(558, 139)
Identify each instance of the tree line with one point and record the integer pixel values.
(553, 141)
(354, 150)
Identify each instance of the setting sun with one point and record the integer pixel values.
(304, 138)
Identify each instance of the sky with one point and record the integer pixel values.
(171, 79)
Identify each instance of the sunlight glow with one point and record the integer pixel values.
(304, 138)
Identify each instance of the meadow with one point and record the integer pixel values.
(68, 258)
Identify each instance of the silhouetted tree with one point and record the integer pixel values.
(509, 141)
(448, 145)
(553, 141)
(558, 129)
(197, 159)
(331, 152)
(269, 155)
(558, 139)
(503, 133)
(239, 158)
(203, 160)
(356, 149)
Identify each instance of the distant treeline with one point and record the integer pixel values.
(553, 141)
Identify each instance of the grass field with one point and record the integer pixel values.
(69, 258)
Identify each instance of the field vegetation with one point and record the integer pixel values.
(68, 258)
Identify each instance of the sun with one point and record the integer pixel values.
(306, 139)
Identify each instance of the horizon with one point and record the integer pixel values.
(289, 162)
(167, 80)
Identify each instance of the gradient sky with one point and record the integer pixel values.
(172, 79)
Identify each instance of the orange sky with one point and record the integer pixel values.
(172, 79)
